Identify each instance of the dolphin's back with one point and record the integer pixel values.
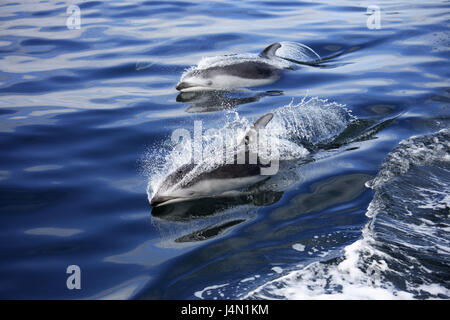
(245, 69)
(227, 172)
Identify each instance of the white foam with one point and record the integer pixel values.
(413, 151)
(345, 280)
(199, 294)
(248, 279)
(277, 269)
(298, 247)
(434, 289)
(366, 267)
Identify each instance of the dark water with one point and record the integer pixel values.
(85, 114)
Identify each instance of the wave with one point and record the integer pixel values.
(404, 251)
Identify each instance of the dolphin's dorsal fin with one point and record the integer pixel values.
(261, 123)
(270, 50)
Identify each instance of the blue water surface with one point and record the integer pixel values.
(83, 111)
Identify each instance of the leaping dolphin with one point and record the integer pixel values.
(245, 70)
(224, 180)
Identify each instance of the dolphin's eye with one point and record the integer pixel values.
(209, 83)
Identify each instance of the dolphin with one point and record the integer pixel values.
(224, 180)
(242, 71)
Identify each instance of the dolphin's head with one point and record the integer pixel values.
(195, 80)
(172, 189)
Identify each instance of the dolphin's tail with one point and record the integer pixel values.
(292, 51)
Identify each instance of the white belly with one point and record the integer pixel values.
(232, 82)
(215, 187)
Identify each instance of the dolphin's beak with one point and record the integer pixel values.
(182, 85)
(159, 200)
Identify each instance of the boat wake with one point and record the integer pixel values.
(404, 250)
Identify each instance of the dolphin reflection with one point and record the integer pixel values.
(212, 101)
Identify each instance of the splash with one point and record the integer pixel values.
(414, 151)
(295, 130)
(297, 53)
